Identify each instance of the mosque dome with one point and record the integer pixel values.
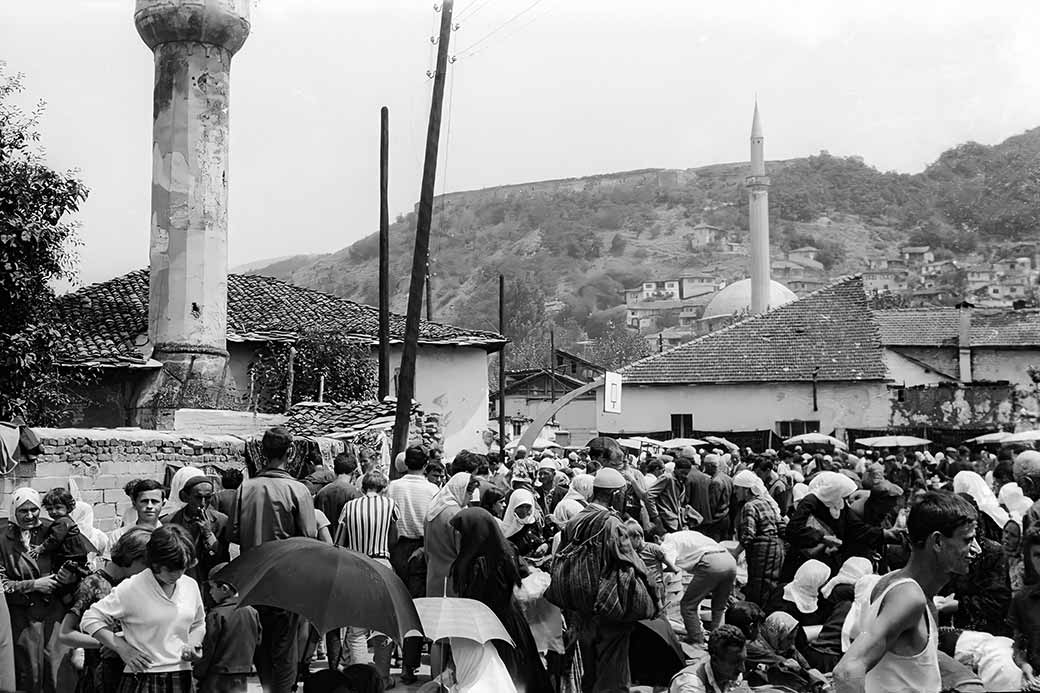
(736, 298)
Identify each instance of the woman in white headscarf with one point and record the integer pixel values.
(801, 596)
(759, 528)
(1016, 502)
(441, 540)
(28, 586)
(822, 526)
(983, 594)
(174, 502)
(478, 668)
(521, 524)
(576, 500)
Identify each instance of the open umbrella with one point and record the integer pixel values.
(732, 447)
(1022, 437)
(998, 437)
(893, 442)
(654, 654)
(538, 444)
(328, 585)
(682, 443)
(815, 439)
(456, 617)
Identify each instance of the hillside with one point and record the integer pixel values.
(574, 244)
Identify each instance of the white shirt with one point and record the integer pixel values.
(687, 547)
(157, 625)
(411, 494)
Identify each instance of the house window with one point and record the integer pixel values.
(788, 429)
(517, 428)
(682, 425)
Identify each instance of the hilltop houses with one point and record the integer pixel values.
(831, 362)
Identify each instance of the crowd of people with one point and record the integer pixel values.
(789, 570)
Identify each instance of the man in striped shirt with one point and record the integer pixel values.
(368, 525)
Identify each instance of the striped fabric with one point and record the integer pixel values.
(365, 525)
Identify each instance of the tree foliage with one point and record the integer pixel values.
(37, 246)
(349, 370)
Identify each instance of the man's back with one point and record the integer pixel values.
(333, 496)
(272, 505)
(697, 492)
(411, 494)
(366, 524)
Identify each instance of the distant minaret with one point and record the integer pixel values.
(758, 217)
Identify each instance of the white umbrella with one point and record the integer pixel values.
(893, 442)
(538, 444)
(998, 437)
(1022, 437)
(732, 447)
(682, 443)
(457, 617)
(815, 439)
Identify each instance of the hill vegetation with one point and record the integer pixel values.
(569, 247)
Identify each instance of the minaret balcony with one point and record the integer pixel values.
(757, 181)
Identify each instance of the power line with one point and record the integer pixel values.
(472, 10)
(504, 37)
(521, 13)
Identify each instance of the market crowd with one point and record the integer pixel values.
(774, 568)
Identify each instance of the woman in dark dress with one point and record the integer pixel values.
(29, 587)
(487, 570)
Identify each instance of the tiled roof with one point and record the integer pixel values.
(107, 323)
(830, 329)
(342, 419)
(940, 327)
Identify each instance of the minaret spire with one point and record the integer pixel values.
(758, 217)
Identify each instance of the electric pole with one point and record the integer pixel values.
(384, 254)
(406, 381)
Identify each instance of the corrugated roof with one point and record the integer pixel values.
(940, 327)
(106, 323)
(831, 329)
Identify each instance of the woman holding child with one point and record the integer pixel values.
(29, 591)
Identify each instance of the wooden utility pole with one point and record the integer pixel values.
(384, 254)
(502, 368)
(406, 381)
(429, 293)
(552, 367)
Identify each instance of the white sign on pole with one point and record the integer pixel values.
(612, 393)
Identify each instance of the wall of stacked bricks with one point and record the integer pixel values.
(103, 461)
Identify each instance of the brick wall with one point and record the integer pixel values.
(102, 461)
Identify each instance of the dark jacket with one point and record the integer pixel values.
(232, 633)
(18, 568)
(207, 557)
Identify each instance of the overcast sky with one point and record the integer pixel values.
(567, 88)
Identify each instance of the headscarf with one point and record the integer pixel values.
(562, 480)
(831, 489)
(478, 667)
(481, 537)
(575, 501)
(749, 480)
(174, 502)
(852, 626)
(981, 492)
(22, 496)
(453, 494)
(778, 627)
(804, 589)
(1016, 502)
(511, 524)
(851, 571)
(798, 492)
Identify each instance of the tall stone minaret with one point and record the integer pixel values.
(757, 184)
(193, 41)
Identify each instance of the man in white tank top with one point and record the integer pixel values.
(898, 651)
